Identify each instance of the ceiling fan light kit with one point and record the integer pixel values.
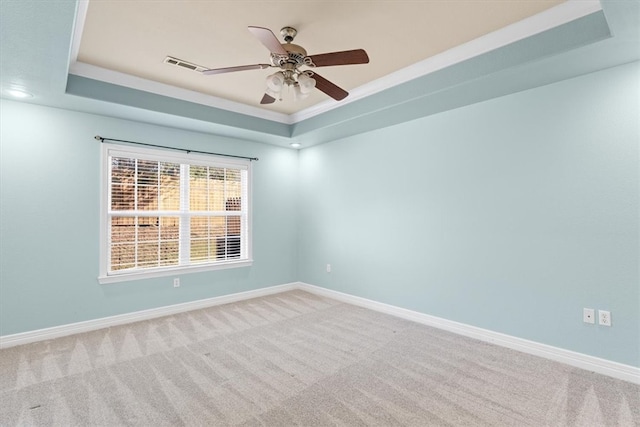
(306, 83)
(275, 82)
(290, 58)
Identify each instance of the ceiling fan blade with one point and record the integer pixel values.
(267, 99)
(347, 57)
(329, 88)
(232, 69)
(268, 39)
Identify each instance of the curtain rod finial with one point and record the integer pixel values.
(99, 138)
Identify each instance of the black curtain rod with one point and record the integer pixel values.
(101, 139)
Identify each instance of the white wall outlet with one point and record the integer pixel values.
(589, 315)
(328, 268)
(604, 318)
(176, 282)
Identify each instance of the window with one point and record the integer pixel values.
(166, 213)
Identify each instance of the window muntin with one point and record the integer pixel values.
(167, 212)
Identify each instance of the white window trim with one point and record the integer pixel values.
(166, 156)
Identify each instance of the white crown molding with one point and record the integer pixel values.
(550, 18)
(568, 357)
(553, 17)
(122, 79)
(83, 69)
(78, 28)
(578, 360)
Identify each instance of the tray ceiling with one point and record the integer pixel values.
(117, 40)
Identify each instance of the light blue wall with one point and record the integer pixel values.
(511, 215)
(49, 198)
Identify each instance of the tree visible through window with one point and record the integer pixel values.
(172, 211)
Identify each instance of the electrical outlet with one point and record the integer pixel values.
(604, 318)
(328, 268)
(176, 282)
(589, 315)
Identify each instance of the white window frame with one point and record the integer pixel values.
(109, 150)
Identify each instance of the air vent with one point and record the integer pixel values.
(184, 64)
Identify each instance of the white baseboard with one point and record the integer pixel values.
(579, 360)
(106, 322)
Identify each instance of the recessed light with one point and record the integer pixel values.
(19, 93)
(295, 145)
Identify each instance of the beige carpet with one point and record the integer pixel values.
(297, 359)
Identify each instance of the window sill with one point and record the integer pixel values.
(139, 275)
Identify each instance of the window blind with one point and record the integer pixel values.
(170, 211)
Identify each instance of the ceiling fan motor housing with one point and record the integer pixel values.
(296, 57)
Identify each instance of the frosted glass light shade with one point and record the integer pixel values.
(298, 93)
(275, 82)
(306, 83)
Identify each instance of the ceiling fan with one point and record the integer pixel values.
(290, 58)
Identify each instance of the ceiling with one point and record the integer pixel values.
(106, 57)
(134, 37)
